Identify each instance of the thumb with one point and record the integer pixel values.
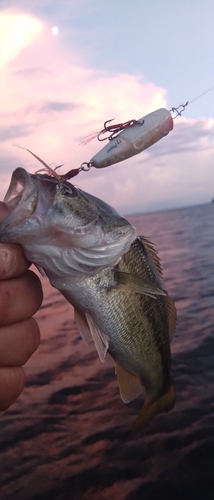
(12, 261)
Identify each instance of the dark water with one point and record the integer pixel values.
(66, 436)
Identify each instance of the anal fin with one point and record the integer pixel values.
(129, 385)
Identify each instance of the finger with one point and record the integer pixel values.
(3, 211)
(12, 381)
(18, 342)
(20, 298)
(12, 261)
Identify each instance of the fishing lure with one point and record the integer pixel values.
(130, 138)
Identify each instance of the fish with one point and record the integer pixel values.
(111, 276)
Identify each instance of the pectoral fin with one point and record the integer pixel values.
(133, 283)
(129, 384)
(100, 340)
(82, 326)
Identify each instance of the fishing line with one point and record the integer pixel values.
(211, 88)
(183, 106)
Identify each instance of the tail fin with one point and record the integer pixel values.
(150, 409)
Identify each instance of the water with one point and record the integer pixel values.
(66, 436)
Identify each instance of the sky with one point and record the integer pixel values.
(118, 59)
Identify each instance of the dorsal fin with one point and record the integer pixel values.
(172, 316)
(150, 247)
(129, 384)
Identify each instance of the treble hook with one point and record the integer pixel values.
(108, 121)
(105, 129)
(115, 129)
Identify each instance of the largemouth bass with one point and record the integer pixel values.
(110, 275)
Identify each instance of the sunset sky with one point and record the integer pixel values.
(118, 59)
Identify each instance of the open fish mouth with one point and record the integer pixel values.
(26, 200)
(29, 190)
(21, 188)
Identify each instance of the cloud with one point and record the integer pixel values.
(16, 32)
(13, 132)
(52, 101)
(84, 98)
(51, 106)
(32, 72)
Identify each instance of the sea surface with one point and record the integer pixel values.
(66, 437)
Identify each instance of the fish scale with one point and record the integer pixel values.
(138, 334)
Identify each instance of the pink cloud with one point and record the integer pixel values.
(17, 30)
(50, 101)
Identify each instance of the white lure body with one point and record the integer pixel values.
(134, 139)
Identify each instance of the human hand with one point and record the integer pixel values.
(20, 297)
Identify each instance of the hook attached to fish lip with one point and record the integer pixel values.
(52, 172)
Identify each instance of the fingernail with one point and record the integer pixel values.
(7, 262)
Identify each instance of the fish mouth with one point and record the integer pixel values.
(22, 188)
(23, 200)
